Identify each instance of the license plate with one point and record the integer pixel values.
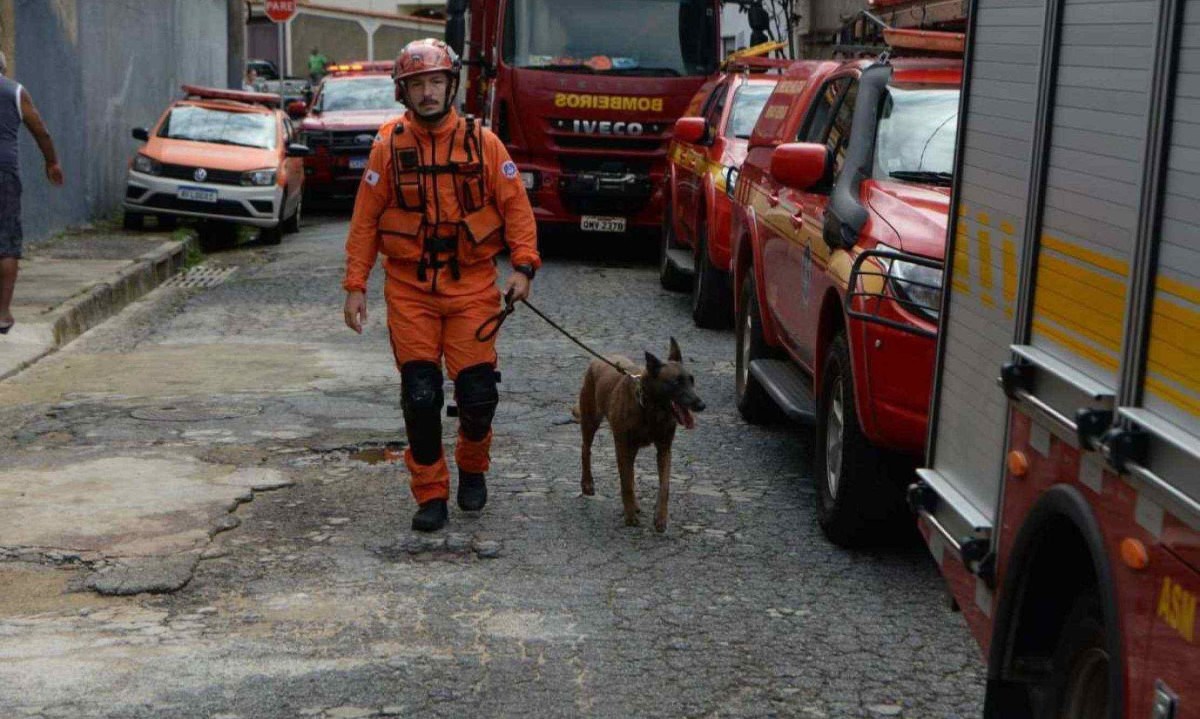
(591, 223)
(198, 194)
(358, 163)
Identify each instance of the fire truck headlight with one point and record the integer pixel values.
(147, 165)
(260, 178)
(917, 287)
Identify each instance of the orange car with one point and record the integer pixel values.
(222, 155)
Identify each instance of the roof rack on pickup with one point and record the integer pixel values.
(867, 34)
(196, 92)
(755, 58)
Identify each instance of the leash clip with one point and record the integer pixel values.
(492, 325)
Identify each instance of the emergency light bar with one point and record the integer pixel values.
(365, 66)
(268, 99)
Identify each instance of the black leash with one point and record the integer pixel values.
(491, 326)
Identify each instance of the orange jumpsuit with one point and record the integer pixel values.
(438, 295)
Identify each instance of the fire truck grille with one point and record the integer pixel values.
(216, 177)
(357, 141)
(616, 144)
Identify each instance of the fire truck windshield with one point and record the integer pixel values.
(915, 139)
(664, 38)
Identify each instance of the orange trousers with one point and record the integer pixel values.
(428, 327)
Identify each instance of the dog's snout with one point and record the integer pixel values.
(699, 405)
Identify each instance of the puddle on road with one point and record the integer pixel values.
(390, 452)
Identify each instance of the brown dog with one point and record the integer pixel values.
(641, 410)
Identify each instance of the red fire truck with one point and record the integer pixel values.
(1061, 492)
(585, 95)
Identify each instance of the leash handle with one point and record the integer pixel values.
(491, 326)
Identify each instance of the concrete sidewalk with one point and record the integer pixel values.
(77, 280)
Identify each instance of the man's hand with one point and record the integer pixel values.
(356, 310)
(517, 287)
(54, 173)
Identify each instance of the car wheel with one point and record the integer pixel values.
(710, 287)
(292, 224)
(753, 402)
(669, 277)
(857, 501)
(133, 220)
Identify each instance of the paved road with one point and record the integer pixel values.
(314, 599)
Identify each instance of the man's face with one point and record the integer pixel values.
(427, 93)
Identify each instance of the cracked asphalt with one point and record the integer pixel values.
(305, 594)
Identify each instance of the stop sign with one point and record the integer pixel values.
(281, 10)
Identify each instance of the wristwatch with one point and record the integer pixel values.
(526, 270)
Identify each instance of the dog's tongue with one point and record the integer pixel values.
(683, 415)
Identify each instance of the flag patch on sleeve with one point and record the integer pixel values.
(371, 178)
(509, 169)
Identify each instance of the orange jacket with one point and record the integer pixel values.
(382, 224)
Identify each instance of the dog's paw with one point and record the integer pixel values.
(632, 520)
(588, 488)
(660, 525)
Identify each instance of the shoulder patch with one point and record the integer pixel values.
(371, 177)
(378, 137)
(509, 169)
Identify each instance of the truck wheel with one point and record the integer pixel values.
(710, 288)
(753, 402)
(133, 220)
(1081, 668)
(670, 278)
(856, 500)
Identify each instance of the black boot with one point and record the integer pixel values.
(431, 516)
(472, 491)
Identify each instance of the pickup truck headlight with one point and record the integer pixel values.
(259, 178)
(919, 287)
(147, 165)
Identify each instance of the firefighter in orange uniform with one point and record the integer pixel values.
(440, 198)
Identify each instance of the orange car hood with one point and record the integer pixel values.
(216, 157)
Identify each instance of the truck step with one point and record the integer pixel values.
(680, 259)
(788, 386)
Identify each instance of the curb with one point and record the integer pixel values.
(108, 297)
(103, 300)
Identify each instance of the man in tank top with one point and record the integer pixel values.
(16, 108)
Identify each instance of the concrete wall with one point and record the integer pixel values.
(390, 40)
(339, 39)
(116, 64)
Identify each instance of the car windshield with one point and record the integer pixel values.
(223, 127)
(664, 38)
(748, 103)
(915, 139)
(367, 93)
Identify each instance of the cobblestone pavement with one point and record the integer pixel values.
(314, 599)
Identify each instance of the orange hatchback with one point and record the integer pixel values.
(221, 155)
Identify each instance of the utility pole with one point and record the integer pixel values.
(235, 40)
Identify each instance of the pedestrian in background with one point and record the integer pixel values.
(16, 107)
(249, 84)
(440, 198)
(316, 65)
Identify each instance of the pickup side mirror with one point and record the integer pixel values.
(692, 130)
(141, 134)
(297, 108)
(295, 149)
(799, 165)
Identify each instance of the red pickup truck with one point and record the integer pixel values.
(839, 233)
(709, 145)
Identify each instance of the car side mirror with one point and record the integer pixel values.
(141, 134)
(799, 165)
(295, 149)
(297, 108)
(692, 130)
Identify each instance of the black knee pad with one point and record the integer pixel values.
(421, 398)
(476, 395)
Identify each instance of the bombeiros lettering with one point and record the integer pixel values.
(627, 103)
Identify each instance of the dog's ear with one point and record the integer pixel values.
(653, 365)
(675, 355)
